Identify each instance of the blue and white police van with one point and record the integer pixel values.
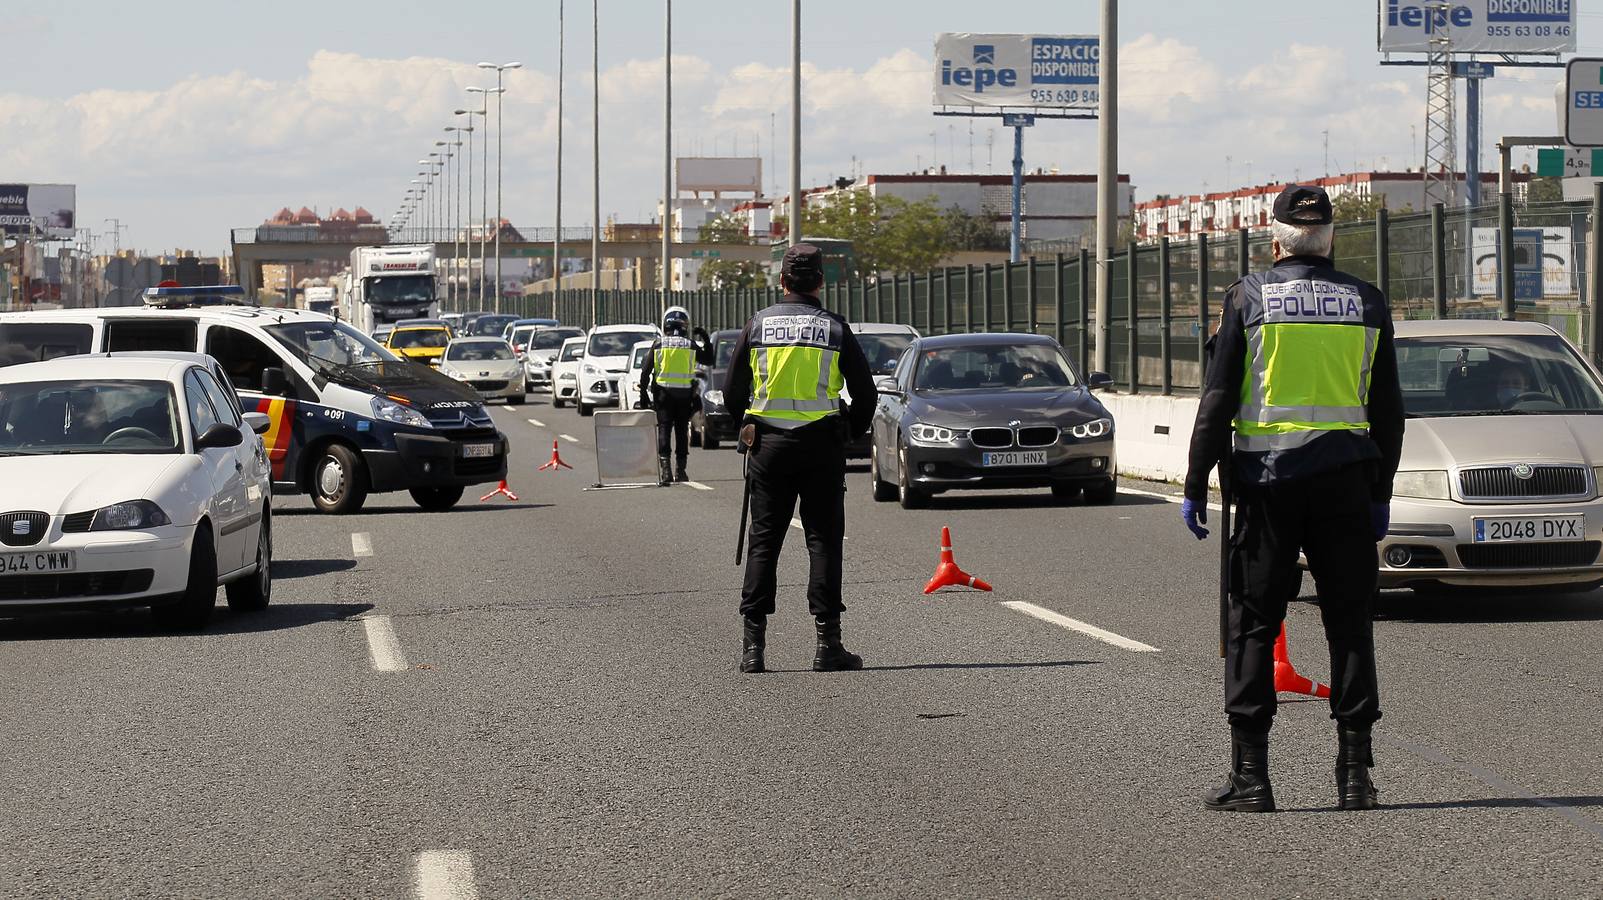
(347, 417)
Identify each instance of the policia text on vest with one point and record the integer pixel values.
(785, 379)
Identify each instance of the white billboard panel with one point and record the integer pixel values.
(1017, 70)
(1478, 26)
(719, 173)
(49, 210)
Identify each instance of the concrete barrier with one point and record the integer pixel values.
(1152, 434)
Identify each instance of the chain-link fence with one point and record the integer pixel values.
(1438, 264)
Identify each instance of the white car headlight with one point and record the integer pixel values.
(128, 515)
(716, 398)
(1424, 485)
(567, 376)
(932, 434)
(388, 410)
(589, 370)
(1093, 429)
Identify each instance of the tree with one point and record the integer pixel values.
(1544, 190)
(727, 273)
(966, 232)
(1352, 207)
(887, 235)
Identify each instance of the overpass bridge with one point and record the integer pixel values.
(269, 245)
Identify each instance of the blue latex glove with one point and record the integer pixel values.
(1380, 519)
(1195, 515)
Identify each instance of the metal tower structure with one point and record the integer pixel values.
(1441, 121)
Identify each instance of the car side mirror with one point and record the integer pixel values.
(219, 436)
(888, 385)
(1099, 381)
(275, 382)
(258, 422)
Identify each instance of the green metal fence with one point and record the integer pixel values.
(1166, 296)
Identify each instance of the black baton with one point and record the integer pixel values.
(1225, 502)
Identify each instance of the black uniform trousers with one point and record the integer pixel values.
(1327, 516)
(674, 407)
(809, 464)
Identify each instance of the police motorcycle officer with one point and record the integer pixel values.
(784, 386)
(1304, 384)
(667, 378)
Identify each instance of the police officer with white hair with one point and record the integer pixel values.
(1304, 383)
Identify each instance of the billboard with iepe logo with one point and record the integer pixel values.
(1477, 26)
(38, 210)
(1044, 71)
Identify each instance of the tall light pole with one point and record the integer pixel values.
(453, 201)
(1107, 179)
(667, 153)
(500, 132)
(468, 221)
(795, 122)
(484, 191)
(428, 196)
(595, 141)
(415, 194)
(556, 240)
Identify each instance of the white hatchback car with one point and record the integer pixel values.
(565, 372)
(131, 481)
(488, 365)
(629, 384)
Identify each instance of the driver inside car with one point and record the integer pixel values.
(1512, 382)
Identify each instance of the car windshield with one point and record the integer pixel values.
(47, 417)
(883, 350)
(571, 351)
(1489, 375)
(478, 351)
(491, 325)
(399, 290)
(616, 343)
(726, 351)
(520, 335)
(330, 346)
(552, 338)
(994, 368)
(638, 361)
(419, 337)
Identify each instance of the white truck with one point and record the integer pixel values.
(319, 300)
(388, 284)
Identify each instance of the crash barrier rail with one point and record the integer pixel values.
(1166, 296)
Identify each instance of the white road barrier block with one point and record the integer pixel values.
(626, 447)
(1152, 434)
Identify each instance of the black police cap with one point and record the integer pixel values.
(803, 259)
(1302, 205)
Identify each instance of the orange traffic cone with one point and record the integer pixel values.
(556, 460)
(947, 573)
(500, 489)
(1287, 681)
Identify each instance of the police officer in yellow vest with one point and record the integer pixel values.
(668, 385)
(1304, 381)
(784, 381)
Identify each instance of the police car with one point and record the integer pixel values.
(347, 417)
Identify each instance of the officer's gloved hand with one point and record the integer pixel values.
(700, 334)
(1195, 515)
(1380, 519)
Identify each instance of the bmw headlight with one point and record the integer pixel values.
(715, 398)
(1424, 485)
(128, 515)
(387, 410)
(932, 434)
(1093, 429)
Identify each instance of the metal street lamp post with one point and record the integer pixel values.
(500, 131)
(467, 222)
(484, 192)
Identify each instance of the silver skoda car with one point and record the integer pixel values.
(1502, 458)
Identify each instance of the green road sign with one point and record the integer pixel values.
(1562, 162)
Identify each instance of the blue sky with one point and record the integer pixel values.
(186, 118)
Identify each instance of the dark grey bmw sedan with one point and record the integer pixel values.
(990, 411)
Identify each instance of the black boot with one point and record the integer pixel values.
(664, 473)
(1246, 788)
(753, 638)
(679, 472)
(1354, 789)
(831, 656)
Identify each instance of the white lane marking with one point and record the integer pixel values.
(382, 644)
(797, 524)
(537, 423)
(569, 438)
(361, 544)
(1108, 637)
(1172, 498)
(445, 875)
(699, 486)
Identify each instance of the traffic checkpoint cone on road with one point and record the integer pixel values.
(556, 460)
(947, 573)
(1287, 681)
(501, 489)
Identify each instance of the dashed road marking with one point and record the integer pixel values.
(1107, 637)
(699, 486)
(569, 438)
(382, 644)
(1172, 498)
(445, 875)
(537, 423)
(361, 544)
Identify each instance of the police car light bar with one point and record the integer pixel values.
(204, 295)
